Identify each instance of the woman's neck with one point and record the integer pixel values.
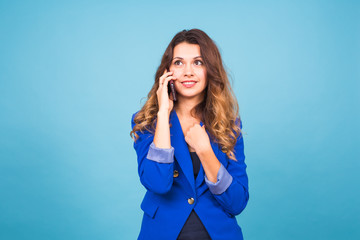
(184, 106)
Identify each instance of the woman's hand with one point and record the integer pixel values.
(165, 102)
(198, 138)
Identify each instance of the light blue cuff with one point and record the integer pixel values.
(224, 179)
(160, 155)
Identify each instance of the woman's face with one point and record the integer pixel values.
(188, 67)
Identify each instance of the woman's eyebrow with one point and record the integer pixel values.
(183, 58)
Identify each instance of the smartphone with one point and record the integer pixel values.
(171, 88)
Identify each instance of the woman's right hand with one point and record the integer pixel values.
(166, 103)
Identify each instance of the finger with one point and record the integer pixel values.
(164, 73)
(166, 80)
(163, 87)
(161, 79)
(168, 74)
(170, 78)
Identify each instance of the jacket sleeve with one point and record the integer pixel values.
(231, 188)
(155, 165)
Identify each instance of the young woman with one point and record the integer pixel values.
(190, 151)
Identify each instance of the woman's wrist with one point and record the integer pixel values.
(162, 132)
(163, 113)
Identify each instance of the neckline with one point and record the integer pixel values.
(174, 112)
(192, 152)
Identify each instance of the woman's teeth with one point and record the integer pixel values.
(188, 84)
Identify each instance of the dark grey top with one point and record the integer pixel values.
(193, 227)
(196, 163)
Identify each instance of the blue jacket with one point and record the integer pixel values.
(172, 192)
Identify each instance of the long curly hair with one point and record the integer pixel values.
(219, 110)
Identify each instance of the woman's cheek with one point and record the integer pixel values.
(201, 73)
(176, 72)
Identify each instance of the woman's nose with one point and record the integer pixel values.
(188, 71)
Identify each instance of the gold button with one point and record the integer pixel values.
(191, 200)
(176, 173)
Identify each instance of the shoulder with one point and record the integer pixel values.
(238, 122)
(132, 119)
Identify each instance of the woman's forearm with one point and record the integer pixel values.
(162, 132)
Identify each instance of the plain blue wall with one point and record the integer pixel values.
(73, 72)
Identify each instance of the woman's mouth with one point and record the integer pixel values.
(188, 84)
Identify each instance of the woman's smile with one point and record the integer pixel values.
(188, 84)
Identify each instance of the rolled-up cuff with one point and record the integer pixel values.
(224, 179)
(160, 155)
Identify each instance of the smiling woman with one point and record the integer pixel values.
(189, 72)
(190, 152)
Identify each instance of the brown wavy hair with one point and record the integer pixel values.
(219, 109)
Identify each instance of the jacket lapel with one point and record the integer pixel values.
(200, 177)
(182, 153)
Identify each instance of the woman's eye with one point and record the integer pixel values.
(198, 62)
(177, 62)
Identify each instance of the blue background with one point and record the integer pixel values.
(73, 72)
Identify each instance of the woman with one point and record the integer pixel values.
(190, 151)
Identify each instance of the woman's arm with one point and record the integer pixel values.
(162, 132)
(166, 104)
(230, 188)
(155, 163)
(155, 153)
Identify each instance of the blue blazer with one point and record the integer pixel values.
(172, 192)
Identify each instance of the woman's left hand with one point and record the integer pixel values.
(198, 138)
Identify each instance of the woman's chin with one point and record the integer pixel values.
(188, 95)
